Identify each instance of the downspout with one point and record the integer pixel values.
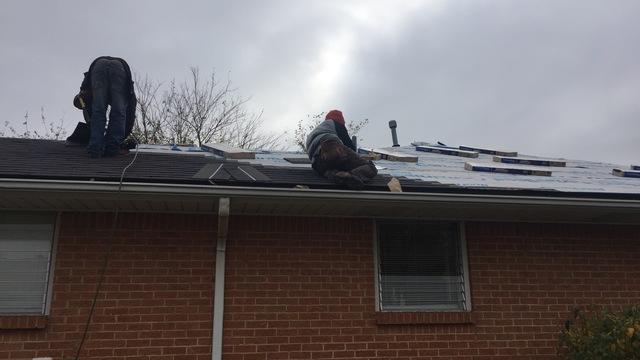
(218, 297)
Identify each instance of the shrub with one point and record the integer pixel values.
(602, 335)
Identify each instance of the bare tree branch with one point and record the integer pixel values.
(193, 111)
(305, 126)
(152, 111)
(50, 130)
(199, 111)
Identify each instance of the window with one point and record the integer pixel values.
(422, 267)
(26, 240)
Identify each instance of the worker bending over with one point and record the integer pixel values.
(107, 82)
(334, 156)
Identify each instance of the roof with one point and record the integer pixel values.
(433, 172)
(52, 160)
(576, 177)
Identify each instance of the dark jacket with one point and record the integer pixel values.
(327, 130)
(86, 95)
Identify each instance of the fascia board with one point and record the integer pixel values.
(115, 189)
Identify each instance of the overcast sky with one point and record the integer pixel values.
(542, 77)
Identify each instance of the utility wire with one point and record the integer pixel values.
(103, 269)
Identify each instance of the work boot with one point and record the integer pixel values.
(95, 155)
(80, 136)
(365, 172)
(117, 152)
(351, 181)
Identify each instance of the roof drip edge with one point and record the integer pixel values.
(114, 188)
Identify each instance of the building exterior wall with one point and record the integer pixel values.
(303, 288)
(156, 296)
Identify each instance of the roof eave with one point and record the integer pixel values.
(62, 195)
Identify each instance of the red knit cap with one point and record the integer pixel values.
(335, 115)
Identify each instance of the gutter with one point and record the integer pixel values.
(129, 188)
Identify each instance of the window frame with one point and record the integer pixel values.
(52, 261)
(467, 307)
(48, 290)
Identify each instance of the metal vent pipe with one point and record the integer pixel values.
(394, 136)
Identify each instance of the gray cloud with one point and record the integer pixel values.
(552, 78)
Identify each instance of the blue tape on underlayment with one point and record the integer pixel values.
(626, 173)
(195, 149)
(175, 147)
(635, 167)
(503, 171)
(442, 147)
(446, 151)
(489, 151)
(508, 160)
(214, 150)
(513, 171)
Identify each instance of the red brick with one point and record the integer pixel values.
(303, 288)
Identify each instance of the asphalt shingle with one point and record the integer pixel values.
(47, 159)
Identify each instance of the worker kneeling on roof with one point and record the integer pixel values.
(334, 156)
(107, 83)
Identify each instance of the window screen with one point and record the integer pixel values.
(420, 267)
(25, 255)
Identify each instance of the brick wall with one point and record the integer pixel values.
(304, 289)
(526, 278)
(156, 299)
(301, 288)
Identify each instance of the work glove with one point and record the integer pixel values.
(80, 101)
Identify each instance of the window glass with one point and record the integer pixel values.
(420, 267)
(25, 254)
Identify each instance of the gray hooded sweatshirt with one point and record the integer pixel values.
(327, 130)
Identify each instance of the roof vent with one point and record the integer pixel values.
(394, 136)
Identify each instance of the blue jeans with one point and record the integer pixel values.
(109, 87)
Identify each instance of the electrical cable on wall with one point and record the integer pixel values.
(105, 263)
